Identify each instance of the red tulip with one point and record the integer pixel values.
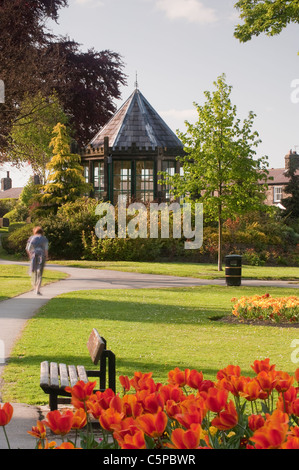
(216, 399)
(186, 439)
(59, 422)
(255, 422)
(81, 392)
(38, 431)
(153, 425)
(6, 412)
(178, 377)
(226, 419)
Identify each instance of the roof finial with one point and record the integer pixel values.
(136, 82)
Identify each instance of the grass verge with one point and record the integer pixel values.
(197, 270)
(15, 280)
(148, 330)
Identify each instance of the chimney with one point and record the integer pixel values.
(6, 183)
(291, 160)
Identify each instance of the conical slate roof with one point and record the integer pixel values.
(136, 122)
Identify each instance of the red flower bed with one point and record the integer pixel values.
(188, 412)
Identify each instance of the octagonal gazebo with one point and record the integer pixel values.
(125, 156)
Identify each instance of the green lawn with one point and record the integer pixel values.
(15, 280)
(148, 330)
(197, 270)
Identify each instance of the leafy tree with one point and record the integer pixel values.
(30, 137)
(87, 84)
(219, 168)
(34, 61)
(26, 65)
(65, 180)
(264, 16)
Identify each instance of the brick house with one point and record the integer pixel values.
(278, 179)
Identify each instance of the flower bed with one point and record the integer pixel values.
(267, 308)
(188, 412)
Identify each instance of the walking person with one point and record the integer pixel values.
(37, 250)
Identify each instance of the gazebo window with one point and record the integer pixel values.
(144, 181)
(169, 167)
(122, 180)
(98, 179)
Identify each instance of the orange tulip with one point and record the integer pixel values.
(264, 365)
(172, 408)
(79, 419)
(131, 406)
(128, 434)
(292, 441)
(227, 418)
(273, 434)
(67, 445)
(6, 412)
(59, 422)
(216, 399)
(283, 381)
(255, 422)
(153, 403)
(294, 407)
(142, 381)
(252, 391)
(171, 392)
(233, 384)
(296, 375)
(99, 401)
(46, 444)
(186, 439)
(228, 372)
(153, 424)
(81, 392)
(38, 431)
(194, 379)
(125, 382)
(136, 441)
(193, 411)
(266, 380)
(178, 377)
(109, 418)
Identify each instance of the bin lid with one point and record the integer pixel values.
(233, 256)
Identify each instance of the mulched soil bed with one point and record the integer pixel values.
(242, 321)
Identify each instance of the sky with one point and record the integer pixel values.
(178, 49)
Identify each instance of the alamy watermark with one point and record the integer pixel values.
(295, 92)
(295, 353)
(137, 220)
(2, 91)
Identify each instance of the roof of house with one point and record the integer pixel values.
(136, 122)
(278, 175)
(13, 193)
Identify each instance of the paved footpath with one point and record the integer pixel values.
(15, 312)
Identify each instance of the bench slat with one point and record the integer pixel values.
(44, 374)
(95, 346)
(82, 373)
(64, 379)
(73, 375)
(54, 380)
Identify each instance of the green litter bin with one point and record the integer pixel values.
(233, 270)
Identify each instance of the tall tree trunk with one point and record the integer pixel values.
(220, 238)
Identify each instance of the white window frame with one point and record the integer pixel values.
(277, 193)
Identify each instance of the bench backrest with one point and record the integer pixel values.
(96, 345)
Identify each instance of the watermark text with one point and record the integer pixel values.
(137, 220)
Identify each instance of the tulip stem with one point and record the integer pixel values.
(5, 434)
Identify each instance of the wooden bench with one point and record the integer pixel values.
(55, 377)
